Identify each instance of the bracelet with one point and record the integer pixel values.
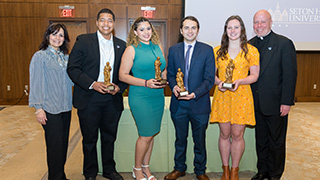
(37, 111)
(146, 83)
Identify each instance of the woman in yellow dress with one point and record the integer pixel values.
(233, 108)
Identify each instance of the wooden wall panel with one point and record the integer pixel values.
(308, 76)
(92, 25)
(142, 2)
(304, 80)
(174, 30)
(120, 29)
(16, 53)
(21, 10)
(108, 1)
(81, 10)
(316, 77)
(119, 10)
(175, 11)
(135, 11)
(176, 2)
(22, 1)
(148, 2)
(65, 2)
(163, 2)
(162, 12)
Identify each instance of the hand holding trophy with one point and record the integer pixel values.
(180, 84)
(228, 84)
(158, 77)
(107, 69)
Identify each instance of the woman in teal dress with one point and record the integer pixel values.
(146, 96)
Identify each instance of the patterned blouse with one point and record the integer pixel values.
(50, 85)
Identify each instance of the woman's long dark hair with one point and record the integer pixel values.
(53, 29)
(222, 52)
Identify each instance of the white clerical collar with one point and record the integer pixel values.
(262, 37)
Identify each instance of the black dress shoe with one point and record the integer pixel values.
(259, 176)
(113, 176)
(91, 178)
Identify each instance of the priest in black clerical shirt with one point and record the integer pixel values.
(273, 96)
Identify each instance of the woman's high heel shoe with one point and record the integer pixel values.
(134, 175)
(150, 177)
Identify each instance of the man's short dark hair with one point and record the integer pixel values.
(192, 18)
(106, 10)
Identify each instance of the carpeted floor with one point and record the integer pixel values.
(22, 147)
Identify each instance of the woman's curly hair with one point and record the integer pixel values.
(134, 40)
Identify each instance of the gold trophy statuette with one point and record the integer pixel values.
(180, 84)
(107, 69)
(158, 77)
(228, 84)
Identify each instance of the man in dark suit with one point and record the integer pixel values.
(273, 96)
(98, 107)
(196, 61)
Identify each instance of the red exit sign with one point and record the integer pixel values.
(66, 11)
(148, 12)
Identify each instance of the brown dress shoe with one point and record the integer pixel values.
(174, 175)
(203, 177)
(226, 173)
(234, 174)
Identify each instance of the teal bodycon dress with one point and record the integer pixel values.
(146, 104)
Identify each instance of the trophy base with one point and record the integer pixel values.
(183, 93)
(162, 82)
(228, 85)
(110, 87)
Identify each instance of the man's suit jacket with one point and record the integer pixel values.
(278, 74)
(201, 75)
(84, 65)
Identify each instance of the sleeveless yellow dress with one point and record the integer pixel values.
(235, 107)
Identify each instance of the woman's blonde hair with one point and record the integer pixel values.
(133, 39)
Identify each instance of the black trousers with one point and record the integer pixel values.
(271, 134)
(100, 114)
(57, 136)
